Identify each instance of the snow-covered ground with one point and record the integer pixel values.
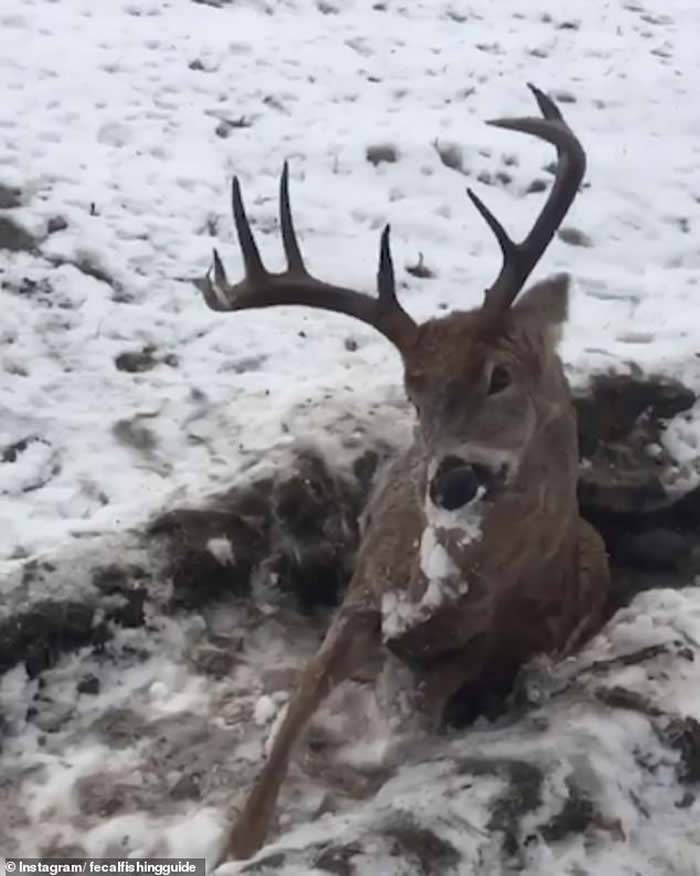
(109, 119)
(127, 118)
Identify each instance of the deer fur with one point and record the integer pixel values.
(473, 557)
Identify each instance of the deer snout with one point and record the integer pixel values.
(457, 482)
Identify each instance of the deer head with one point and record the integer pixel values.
(485, 382)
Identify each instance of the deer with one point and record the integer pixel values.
(473, 558)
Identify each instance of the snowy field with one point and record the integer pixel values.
(127, 119)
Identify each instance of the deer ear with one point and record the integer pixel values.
(546, 301)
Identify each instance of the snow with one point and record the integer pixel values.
(468, 519)
(222, 550)
(109, 119)
(120, 138)
(398, 614)
(435, 562)
(265, 711)
(640, 826)
(443, 583)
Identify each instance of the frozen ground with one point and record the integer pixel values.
(144, 748)
(128, 119)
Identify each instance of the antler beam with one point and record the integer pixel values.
(296, 286)
(519, 259)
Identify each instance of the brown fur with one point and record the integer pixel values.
(537, 578)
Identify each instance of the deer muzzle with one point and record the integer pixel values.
(457, 482)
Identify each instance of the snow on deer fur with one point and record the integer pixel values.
(444, 581)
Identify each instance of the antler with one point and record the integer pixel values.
(296, 285)
(519, 259)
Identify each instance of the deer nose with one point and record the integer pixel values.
(456, 482)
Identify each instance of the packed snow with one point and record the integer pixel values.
(442, 584)
(121, 126)
(221, 549)
(435, 562)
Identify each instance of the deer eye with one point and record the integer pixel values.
(499, 380)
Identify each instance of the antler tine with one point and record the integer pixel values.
(548, 108)
(295, 285)
(249, 248)
(386, 284)
(519, 259)
(295, 261)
